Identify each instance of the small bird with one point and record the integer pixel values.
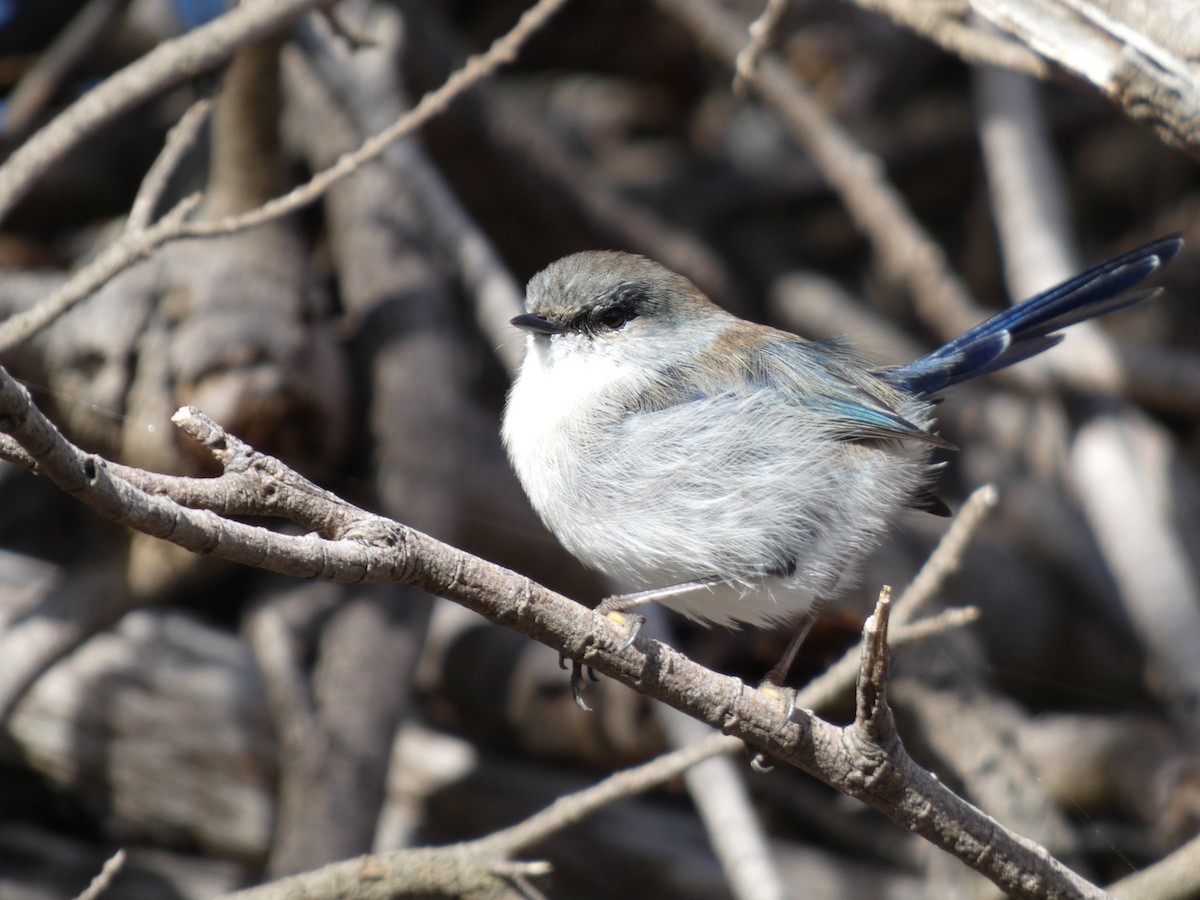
(734, 472)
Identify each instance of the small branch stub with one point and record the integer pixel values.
(871, 714)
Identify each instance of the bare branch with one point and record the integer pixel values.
(169, 64)
(477, 68)
(136, 245)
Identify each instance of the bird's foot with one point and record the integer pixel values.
(786, 695)
(632, 622)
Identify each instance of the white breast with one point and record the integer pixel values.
(551, 411)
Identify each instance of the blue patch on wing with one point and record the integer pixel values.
(865, 415)
(865, 422)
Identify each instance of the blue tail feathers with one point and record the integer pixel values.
(1029, 327)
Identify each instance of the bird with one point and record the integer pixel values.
(733, 472)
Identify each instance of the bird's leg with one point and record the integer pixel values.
(615, 608)
(772, 684)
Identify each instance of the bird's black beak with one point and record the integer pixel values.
(536, 323)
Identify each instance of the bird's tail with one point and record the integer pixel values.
(1029, 327)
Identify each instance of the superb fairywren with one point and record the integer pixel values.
(733, 472)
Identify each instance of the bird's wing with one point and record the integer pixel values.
(824, 377)
(830, 376)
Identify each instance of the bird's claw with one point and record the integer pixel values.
(634, 623)
(758, 762)
(577, 680)
(577, 685)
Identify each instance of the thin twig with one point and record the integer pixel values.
(947, 556)
(476, 69)
(822, 691)
(932, 625)
(368, 87)
(1026, 182)
(736, 833)
(444, 868)
(179, 140)
(102, 881)
(12, 452)
(907, 255)
(290, 703)
(1174, 877)
(574, 807)
(762, 32)
(39, 86)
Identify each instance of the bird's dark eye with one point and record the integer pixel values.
(615, 316)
